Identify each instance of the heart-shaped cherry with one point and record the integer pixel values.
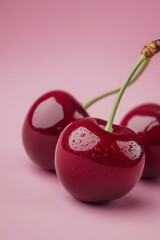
(94, 165)
(44, 122)
(145, 121)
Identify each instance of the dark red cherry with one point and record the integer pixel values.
(44, 122)
(145, 121)
(94, 165)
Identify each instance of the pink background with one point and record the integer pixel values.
(85, 47)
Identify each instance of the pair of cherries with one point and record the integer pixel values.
(94, 160)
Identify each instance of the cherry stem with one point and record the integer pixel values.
(121, 92)
(116, 90)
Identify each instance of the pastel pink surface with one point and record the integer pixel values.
(86, 48)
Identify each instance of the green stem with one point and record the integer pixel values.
(121, 92)
(93, 100)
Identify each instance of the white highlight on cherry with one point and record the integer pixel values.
(138, 125)
(81, 139)
(47, 114)
(130, 149)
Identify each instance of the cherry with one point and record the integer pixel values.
(94, 165)
(145, 121)
(44, 122)
(97, 163)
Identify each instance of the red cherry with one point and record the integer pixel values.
(44, 122)
(94, 165)
(145, 121)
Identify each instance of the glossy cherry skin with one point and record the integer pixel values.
(145, 121)
(97, 166)
(44, 122)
